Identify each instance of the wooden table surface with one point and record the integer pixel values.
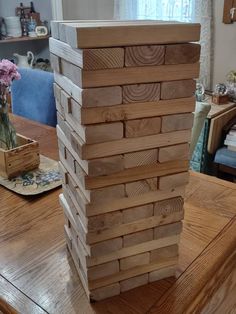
(37, 274)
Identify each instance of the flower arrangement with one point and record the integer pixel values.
(8, 73)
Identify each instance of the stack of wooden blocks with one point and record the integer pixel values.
(125, 97)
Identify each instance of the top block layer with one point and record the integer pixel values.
(128, 33)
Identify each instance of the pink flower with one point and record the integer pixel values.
(8, 72)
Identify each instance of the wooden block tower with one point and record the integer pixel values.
(125, 96)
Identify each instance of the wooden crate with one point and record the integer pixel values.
(124, 126)
(23, 158)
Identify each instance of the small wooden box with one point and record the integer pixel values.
(220, 99)
(25, 157)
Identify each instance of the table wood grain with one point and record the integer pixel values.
(34, 258)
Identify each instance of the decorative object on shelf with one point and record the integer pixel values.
(229, 15)
(13, 26)
(200, 92)
(220, 95)
(41, 31)
(24, 61)
(231, 85)
(31, 25)
(36, 181)
(17, 153)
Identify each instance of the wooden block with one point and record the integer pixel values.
(137, 110)
(165, 252)
(162, 273)
(106, 166)
(142, 127)
(57, 92)
(106, 247)
(55, 63)
(145, 157)
(168, 182)
(129, 75)
(182, 53)
(178, 89)
(103, 270)
(136, 260)
(137, 213)
(104, 132)
(63, 173)
(105, 292)
(62, 148)
(138, 237)
(177, 122)
(141, 187)
(109, 193)
(105, 221)
(92, 97)
(168, 230)
(134, 282)
(141, 92)
(71, 161)
(88, 59)
(176, 152)
(109, 34)
(127, 145)
(144, 55)
(167, 206)
(137, 173)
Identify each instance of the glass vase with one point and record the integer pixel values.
(7, 130)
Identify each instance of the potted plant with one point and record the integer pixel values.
(17, 153)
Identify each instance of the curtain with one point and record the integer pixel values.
(175, 10)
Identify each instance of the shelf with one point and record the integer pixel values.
(21, 39)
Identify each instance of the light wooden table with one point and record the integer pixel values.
(38, 275)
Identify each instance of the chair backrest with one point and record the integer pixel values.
(33, 98)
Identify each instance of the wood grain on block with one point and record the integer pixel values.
(105, 221)
(127, 145)
(145, 157)
(142, 127)
(178, 89)
(129, 75)
(136, 173)
(168, 230)
(103, 270)
(104, 132)
(136, 260)
(59, 108)
(177, 122)
(106, 247)
(162, 273)
(133, 272)
(167, 206)
(132, 250)
(63, 173)
(165, 252)
(70, 160)
(182, 53)
(134, 227)
(137, 237)
(108, 193)
(137, 110)
(137, 213)
(55, 62)
(57, 92)
(62, 148)
(144, 55)
(105, 292)
(168, 182)
(92, 97)
(141, 92)
(88, 59)
(109, 34)
(105, 166)
(176, 152)
(134, 282)
(128, 202)
(140, 187)
(64, 126)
